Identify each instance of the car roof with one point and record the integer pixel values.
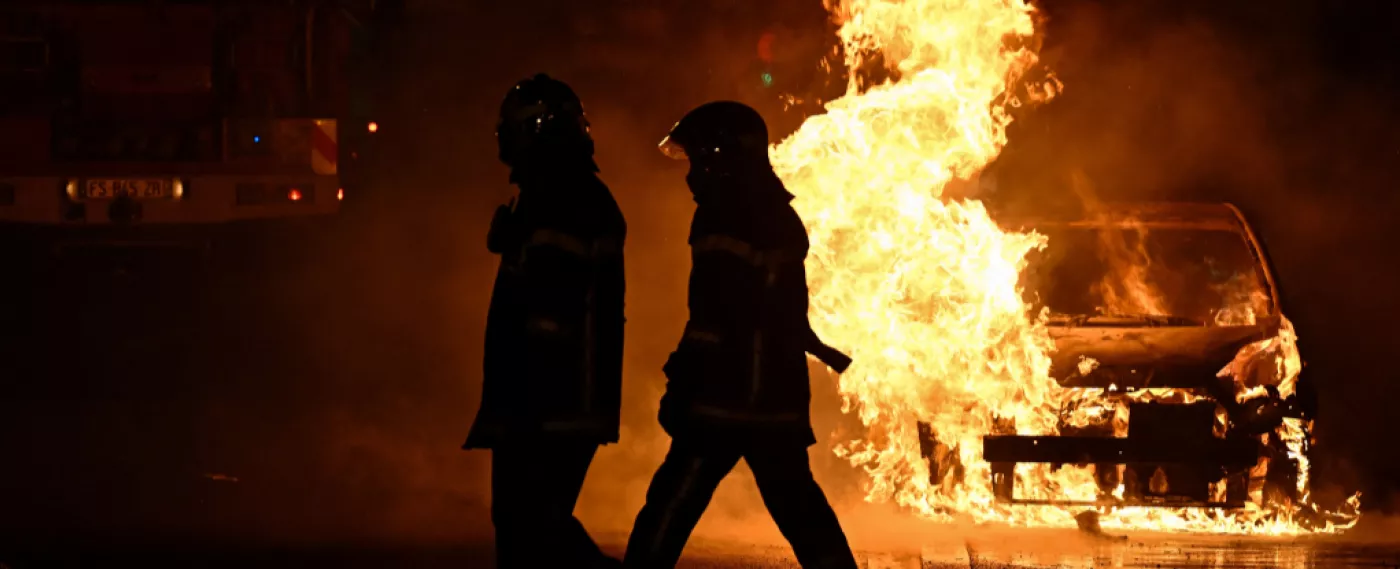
(1204, 216)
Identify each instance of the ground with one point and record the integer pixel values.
(1145, 553)
(147, 411)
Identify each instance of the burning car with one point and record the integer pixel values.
(1120, 356)
(1180, 369)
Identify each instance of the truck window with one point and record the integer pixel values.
(24, 73)
(330, 49)
(264, 57)
(24, 62)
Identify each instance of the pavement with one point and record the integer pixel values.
(1028, 549)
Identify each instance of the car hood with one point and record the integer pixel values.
(1142, 357)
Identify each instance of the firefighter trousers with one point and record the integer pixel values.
(534, 488)
(681, 490)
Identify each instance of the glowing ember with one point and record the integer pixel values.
(923, 289)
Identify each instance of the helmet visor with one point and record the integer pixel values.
(672, 149)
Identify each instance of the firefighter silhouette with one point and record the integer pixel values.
(737, 385)
(553, 363)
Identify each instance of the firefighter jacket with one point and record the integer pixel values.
(553, 362)
(740, 371)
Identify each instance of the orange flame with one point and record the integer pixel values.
(923, 289)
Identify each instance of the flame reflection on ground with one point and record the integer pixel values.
(1077, 551)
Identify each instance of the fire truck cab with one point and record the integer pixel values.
(124, 118)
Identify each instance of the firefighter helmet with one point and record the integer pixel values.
(541, 117)
(721, 136)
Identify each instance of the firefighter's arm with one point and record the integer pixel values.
(554, 276)
(681, 366)
(610, 288)
(832, 357)
(504, 234)
(813, 344)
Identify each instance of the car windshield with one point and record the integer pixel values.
(1180, 276)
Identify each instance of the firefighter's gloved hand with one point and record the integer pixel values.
(832, 357)
(502, 228)
(839, 362)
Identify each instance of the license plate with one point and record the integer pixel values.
(138, 189)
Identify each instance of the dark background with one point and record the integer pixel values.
(336, 388)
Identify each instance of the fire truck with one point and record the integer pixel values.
(127, 121)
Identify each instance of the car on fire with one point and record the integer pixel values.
(1179, 369)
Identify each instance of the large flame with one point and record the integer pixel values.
(923, 288)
